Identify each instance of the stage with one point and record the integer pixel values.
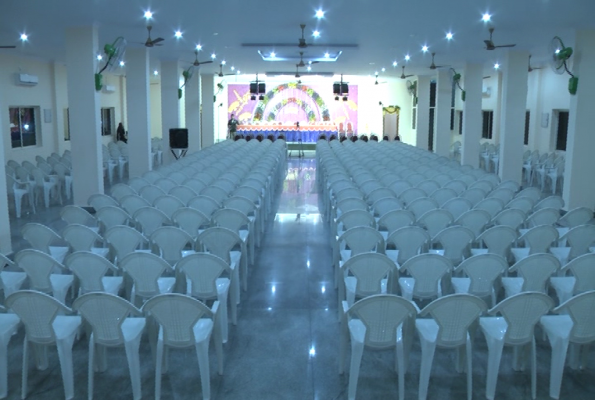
(307, 133)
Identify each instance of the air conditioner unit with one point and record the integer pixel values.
(27, 80)
(486, 91)
(109, 88)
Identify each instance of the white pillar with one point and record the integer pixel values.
(422, 134)
(472, 84)
(512, 119)
(442, 114)
(170, 104)
(192, 96)
(579, 184)
(5, 238)
(208, 110)
(84, 104)
(137, 108)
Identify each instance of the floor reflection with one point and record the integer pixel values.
(299, 197)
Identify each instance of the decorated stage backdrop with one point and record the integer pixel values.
(291, 102)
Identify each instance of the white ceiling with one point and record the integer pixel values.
(384, 30)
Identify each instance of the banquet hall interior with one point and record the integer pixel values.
(291, 117)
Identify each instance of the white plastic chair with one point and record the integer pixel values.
(191, 221)
(165, 184)
(20, 189)
(522, 203)
(100, 200)
(121, 190)
(205, 281)
(421, 206)
(396, 219)
(379, 322)
(183, 193)
(146, 270)
(442, 195)
(123, 240)
(91, 270)
(543, 216)
(498, 240)
(205, 205)
(132, 203)
(476, 220)
(40, 237)
(481, 272)
(360, 239)
(536, 240)
(409, 242)
(533, 273)
(451, 320)
(12, 280)
(575, 217)
(168, 204)
(455, 242)
(491, 204)
(185, 322)
(46, 185)
(114, 322)
(111, 216)
(170, 242)
(83, 238)
(427, 272)
(474, 195)
(411, 194)
(575, 325)
(550, 202)
(9, 326)
(46, 323)
(582, 278)
(513, 217)
(44, 273)
(78, 215)
(367, 274)
(515, 327)
(457, 206)
(435, 220)
(151, 192)
(580, 239)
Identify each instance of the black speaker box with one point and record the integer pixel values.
(178, 138)
(344, 88)
(262, 88)
(253, 88)
(336, 88)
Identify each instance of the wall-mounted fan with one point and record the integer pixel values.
(560, 56)
(187, 74)
(403, 76)
(455, 79)
(412, 88)
(490, 43)
(220, 87)
(530, 69)
(114, 53)
(301, 43)
(433, 65)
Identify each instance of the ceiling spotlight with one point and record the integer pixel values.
(319, 14)
(233, 68)
(148, 14)
(486, 17)
(557, 51)
(394, 63)
(122, 63)
(309, 68)
(239, 71)
(178, 34)
(376, 73)
(326, 55)
(407, 58)
(155, 72)
(496, 66)
(424, 48)
(24, 37)
(449, 36)
(316, 34)
(198, 47)
(223, 62)
(273, 54)
(213, 56)
(99, 57)
(383, 69)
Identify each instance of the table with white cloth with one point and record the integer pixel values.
(308, 133)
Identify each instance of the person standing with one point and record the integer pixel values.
(232, 126)
(121, 134)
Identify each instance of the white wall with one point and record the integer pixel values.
(155, 108)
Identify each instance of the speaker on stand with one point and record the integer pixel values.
(178, 142)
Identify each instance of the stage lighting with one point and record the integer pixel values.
(344, 98)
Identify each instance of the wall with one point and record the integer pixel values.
(155, 108)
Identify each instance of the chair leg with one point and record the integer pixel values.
(559, 350)
(400, 364)
(202, 352)
(132, 354)
(469, 348)
(25, 371)
(427, 356)
(494, 356)
(357, 350)
(91, 367)
(158, 363)
(65, 356)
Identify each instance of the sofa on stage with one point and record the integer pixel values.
(308, 133)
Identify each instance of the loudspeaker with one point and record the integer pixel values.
(336, 88)
(253, 88)
(262, 88)
(178, 138)
(344, 88)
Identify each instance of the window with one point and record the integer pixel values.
(487, 126)
(67, 124)
(460, 122)
(108, 121)
(527, 120)
(23, 126)
(432, 115)
(413, 117)
(562, 130)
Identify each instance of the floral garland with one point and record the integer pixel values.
(305, 106)
(324, 112)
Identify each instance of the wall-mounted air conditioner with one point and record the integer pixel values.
(486, 91)
(109, 89)
(26, 79)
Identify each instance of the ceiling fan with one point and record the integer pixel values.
(301, 43)
(433, 66)
(403, 76)
(220, 74)
(530, 67)
(152, 42)
(196, 63)
(490, 43)
(8, 47)
(376, 80)
(301, 63)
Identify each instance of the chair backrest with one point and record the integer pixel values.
(183, 193)
(352, 204)
(435, 220)
(540, 238)
(203, 270)
(100, 200)
(386, 204)
(512, 217)
(580, 308)
(522, 312)
(132, 203)
(219, 241)
(499, 239)
(457, 206)
(456, 242)
(503, 194)
(151, 192)
(89, 268)
(442, 195)
(556, 202)
(421, 206)
(411, 194)
(369, 269)
(39, 236)
(396, 219)
(429, 186)
(576, 216)
(105, 313)
(37, 311)
(152, 176)
(231, 219)
(484, 185)
(381, 315)
(246, 206)
(110, 216)
(119, 190)
(379, 193)
(196, 185)
(427, 270)
(215, 192)
(476, 220)
(166, 184)
(483, 270)
(38, 266)
(80, 237)
(580, 238)
(457, 185)
(491, 204)
(362, 239)
(474, 195)
(399, 186)
(533, 193)
(124, 240)
(205, 204)
(454, 314)
(149, 219)
(171, 241)
(137, 183)
(144, 269)
(168, 204)
(583, 269)
(354, 218)
(76, 215)
(536, 270)
(524, 204)
(410, 241)
(177, 315)
(190, 220)
(543, 216)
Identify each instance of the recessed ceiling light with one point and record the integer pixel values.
(395, 63)
(223, 62)
(273, 54)
(178, 34)
(424, 48)
(449, 36)
(486, 17)
(198, 47)
(316, 34)
(213, 56)
(496, 66)
(233, 68)
(24, 37)
(319, 14)
(148, 14)
(239, 71)
(383, 69)
(99, 57)
(407, 57)
(326, 55)
(155, 72)
(310, 62)
(376, 73)
(122, 63)
(215, 33)
(309, 68)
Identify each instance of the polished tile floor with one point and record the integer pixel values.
(286, 343)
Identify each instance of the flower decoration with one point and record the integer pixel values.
(260, 107)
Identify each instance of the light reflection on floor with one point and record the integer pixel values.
(299, 200)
